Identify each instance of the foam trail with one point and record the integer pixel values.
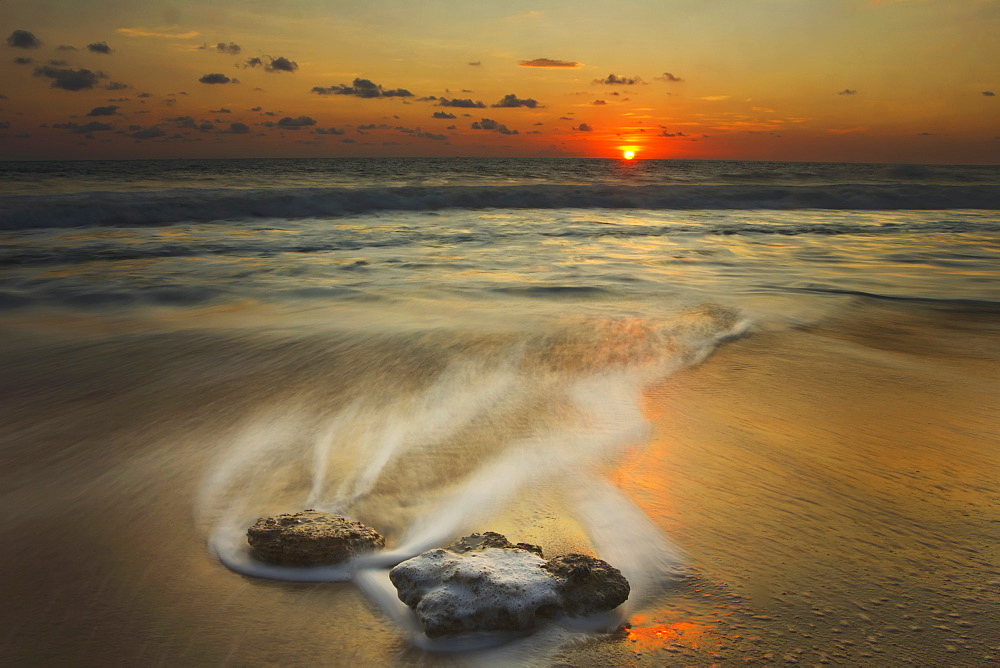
(623, 535)
(321, 453)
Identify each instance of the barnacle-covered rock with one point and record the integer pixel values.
(311, 538)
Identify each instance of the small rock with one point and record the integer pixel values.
(481, 541)
(311, 538)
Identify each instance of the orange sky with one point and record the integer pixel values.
(837, 80)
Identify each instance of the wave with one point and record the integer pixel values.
(206, 205)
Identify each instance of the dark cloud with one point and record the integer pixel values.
(206, 126)
(848, 91)
(183, 122)
(220, 110)
(100, 47)
(464, 104)
(476, 63)
(66, 47)
(989, 93)
(616, 80)
(22, 39)
(362, 88)
(104, 111)
(670, 78)
(257, 109)
(146, 133)
(57, 63)
(87, 128)
(329, 131)
(4, 125)
(598, 102)
(116, 85)
(664, 133)
(565, 118)
(289, 123)
(216, 78)
(144, 95)
(279, 64)
(68, 79)
(511, 101)
(237, 129)
(232, 48)
(443, 114)
(490, 124)
(550, 62)
(584, 128)
(23, 61)
(430, 135)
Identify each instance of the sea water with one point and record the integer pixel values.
(767, 392)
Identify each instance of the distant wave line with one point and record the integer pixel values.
(207, 205)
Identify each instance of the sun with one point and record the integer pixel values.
(628, 155)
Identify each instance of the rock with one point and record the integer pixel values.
(490, 589)
(481, 541)
(311, 538)
(589, 584)
(484, 583)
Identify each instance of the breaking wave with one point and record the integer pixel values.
(204, 205)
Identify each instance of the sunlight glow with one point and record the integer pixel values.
(628, 155)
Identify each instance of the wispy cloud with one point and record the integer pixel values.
(550, 62)
(142, 32)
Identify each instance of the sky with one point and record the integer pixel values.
(914, 81)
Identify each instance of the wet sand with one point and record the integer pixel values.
(832, 487)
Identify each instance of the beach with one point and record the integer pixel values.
(780, 423)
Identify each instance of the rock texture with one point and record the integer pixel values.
(311, 538)
(484, 583)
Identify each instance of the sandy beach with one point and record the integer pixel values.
(830, 487)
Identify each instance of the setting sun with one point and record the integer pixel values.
(628, 155)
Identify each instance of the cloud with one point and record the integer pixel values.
(475, 63)
(664, 133)
(550, 62)
(140, 32)
(116, 85)
(66, 47)
(329, 131)
(104, 111)
(464, 104)
(144, 95)
(217, 78)
(616, 80)
(232, 48)
(68, 79)
(237, 129)
(714, 98)
(289, 123)
(220, 110)
(23, 61)
(511, 101)
(100, 47)
(490, 124)
(183, 122)
(668, 77)
(584, 128)
(22, 39)
(443, 114)
(598, 102)
(362, 88)
(87, 128)
(147, 133)
(848, 91)
(430, 135)
(279, 64)
(989, 93)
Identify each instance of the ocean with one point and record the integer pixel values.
(767, 392)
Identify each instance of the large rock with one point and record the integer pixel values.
(483, 583)
(311, 538)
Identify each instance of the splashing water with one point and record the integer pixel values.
(428, 445)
